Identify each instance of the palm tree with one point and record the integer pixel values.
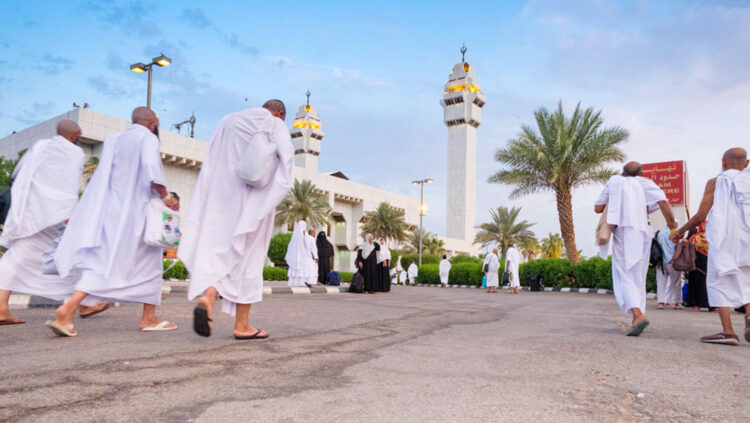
(412, 241)
(88, 171)
(552, 246)
(303, 203)
(504, 229)
(386, 222)
(530, 248)
(564, 154)
(433, 245)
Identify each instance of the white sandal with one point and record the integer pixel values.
(161, 327)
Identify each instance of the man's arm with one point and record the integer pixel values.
(169, 201)
(706, 203)
(668, 215)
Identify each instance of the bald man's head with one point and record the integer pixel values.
(69, 130)
(276, 107)
(145, 117)
(632, 169)
(734, 158)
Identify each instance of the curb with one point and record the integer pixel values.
(649, 295)
(25, 301)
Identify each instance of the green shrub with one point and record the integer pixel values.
(593, 273)
(464, 258)
(277, 248)
(179, 271)
(274, 274)
(466, 274)
(554, 272)
(406, 259)
(428, 274)
(651, 280)
(346, 276)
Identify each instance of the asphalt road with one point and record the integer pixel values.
(414, 355)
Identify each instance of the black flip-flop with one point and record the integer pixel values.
(638, 329)
(253, 336)
(200, 321)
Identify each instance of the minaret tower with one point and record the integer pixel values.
(306, 136)
(462, 105)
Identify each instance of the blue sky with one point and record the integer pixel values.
(673, 73)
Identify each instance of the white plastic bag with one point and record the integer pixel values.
(48, 257)
(162, 225)
(259, 160)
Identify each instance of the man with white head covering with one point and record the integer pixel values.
(726, 202)
(512, 265)
(103, 245)
(298, 257)
(444, 268)
(412, 272)
(230, 223)
(44, 193)
(384, 262)
(367, 262)
(492, 264)
(313, 261)
(629, 199)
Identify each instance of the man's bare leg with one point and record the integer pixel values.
(638, 315)
(207, 301)
(747, 322)
(242, 327)
(94, 309)
(725, 314)
(65, 313)
(149, 319)
(5, 315)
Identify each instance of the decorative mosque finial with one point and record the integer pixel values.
(463, 52)
(308, 96)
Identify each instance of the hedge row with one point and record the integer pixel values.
(179, 271)
(558, 273)
(407, 259)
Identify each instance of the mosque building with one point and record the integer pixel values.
(183, 156)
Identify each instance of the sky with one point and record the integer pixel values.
(673, 73)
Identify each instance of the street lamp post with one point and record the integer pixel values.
(421, 210)
(139, 67)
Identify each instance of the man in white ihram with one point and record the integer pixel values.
(310, 239)
(44, 193)
(444, 269)
(630, 198)
(512, 265)
(103, 246)
(727, 198)
(230, 223)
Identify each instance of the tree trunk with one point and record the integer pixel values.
(565, 214)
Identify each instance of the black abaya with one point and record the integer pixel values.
(697, 295)
(369, 268)
(384, 277)
(325, 257)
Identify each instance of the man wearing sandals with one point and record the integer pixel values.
(630, 198)
(43, 196)
(726, 202)
(103, 247)
(230, 222)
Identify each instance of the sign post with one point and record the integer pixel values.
(672, 178)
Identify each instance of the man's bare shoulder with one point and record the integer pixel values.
(711, 184)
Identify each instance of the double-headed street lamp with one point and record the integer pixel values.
(422, 211)
(139, 67)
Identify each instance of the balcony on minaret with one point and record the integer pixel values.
(306, 137)
(463, 99)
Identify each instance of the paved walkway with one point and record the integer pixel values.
(413, 355)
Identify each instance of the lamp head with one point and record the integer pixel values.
(428, 180)
(416, 182)
(139, 67)
(162, 60)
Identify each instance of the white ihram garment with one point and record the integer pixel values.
(513, 263)
(668, 284)
(493, 266)
(103, 244)
(412, 272)
(728, 235)
(445, 269)
(298, 256)
(629, 201)
(229, 226)
(313, 278)
(44, 193)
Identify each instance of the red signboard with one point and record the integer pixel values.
(671, 178)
